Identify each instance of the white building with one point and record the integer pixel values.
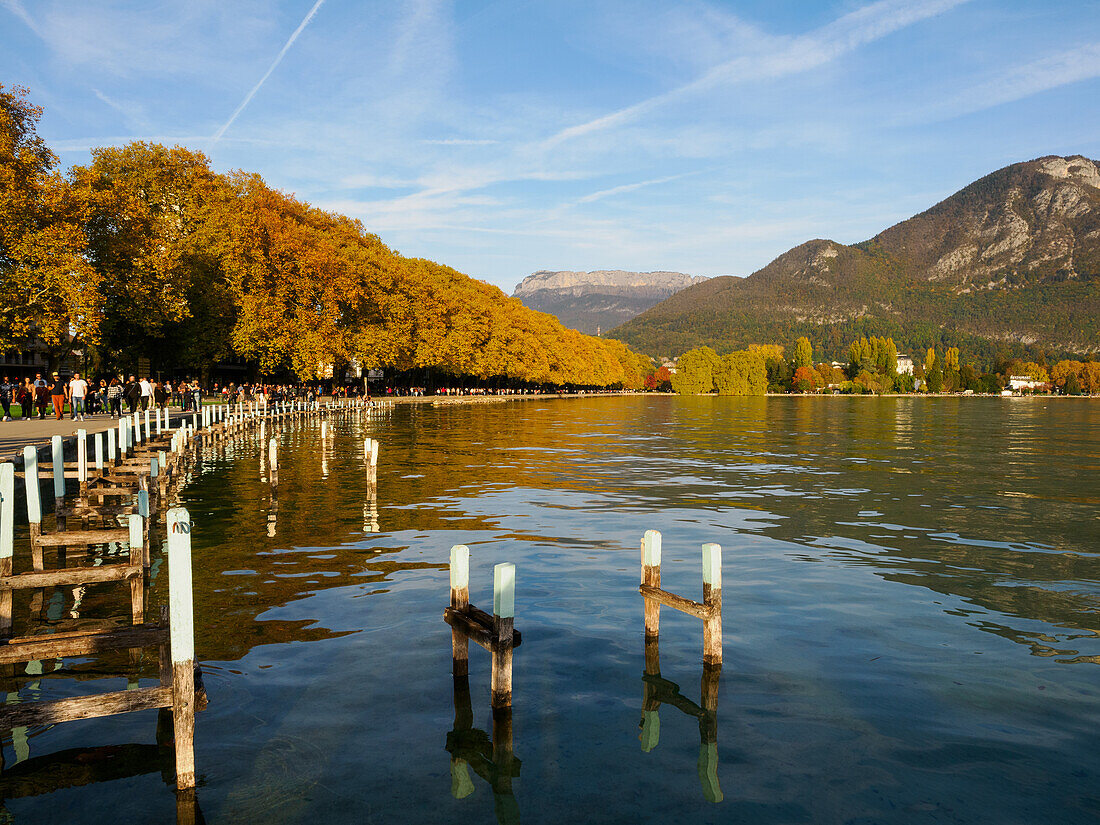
(1025, 382)
(905, 365)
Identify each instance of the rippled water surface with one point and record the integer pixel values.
(911, 606)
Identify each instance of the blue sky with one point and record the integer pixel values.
(505, 136)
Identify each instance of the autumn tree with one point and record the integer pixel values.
(48, 291)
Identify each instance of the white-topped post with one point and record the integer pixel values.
(712, 598)
(182, 635)
(7, 539)
(504, 611)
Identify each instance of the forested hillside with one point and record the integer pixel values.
(147, 252)
(1009, 265)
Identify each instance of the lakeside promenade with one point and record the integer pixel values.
(15, 435)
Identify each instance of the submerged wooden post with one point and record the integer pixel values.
(651, 577)
(58, 448)
(82, 459)
(504, 611)
(137, 555)
(460, 600)
(182, 635)
(273, 462)
(712, 598)
(324, 429)
(34, 503)
(708, 734)
(7, 540)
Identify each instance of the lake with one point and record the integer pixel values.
(911, 607)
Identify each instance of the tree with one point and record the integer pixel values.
(47, 289)
(695, 371)
(741, 373)
(803, 354)
(805, 380)
(934, 379)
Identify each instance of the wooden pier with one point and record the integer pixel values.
(115, 491)
(657, 690)
(491, 758)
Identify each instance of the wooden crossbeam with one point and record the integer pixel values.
(60, 646)
(71, 576)
(79, 538)
(693, 608)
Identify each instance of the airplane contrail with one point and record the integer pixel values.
(267, 74)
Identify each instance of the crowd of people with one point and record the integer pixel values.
(116, 395)
(41, 398)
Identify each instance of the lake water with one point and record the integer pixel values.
(911, 607)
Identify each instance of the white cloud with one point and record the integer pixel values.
(278, 59)
(629, 187)
(1018, 82)
(798, 55)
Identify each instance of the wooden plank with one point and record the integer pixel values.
(478, 625)
(84, 707)
(60, 646)
(688, 606)
(76, 538)
(71, 576)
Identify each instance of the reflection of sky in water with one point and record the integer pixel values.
(911, 592)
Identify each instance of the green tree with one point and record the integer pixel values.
(695, 371)
(741, 373)
(803, 353)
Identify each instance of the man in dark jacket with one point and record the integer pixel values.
(132, 393)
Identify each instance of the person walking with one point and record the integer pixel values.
(160, 396)
(114, 397)
(24, 397)
(58, 390)
(7, 390)
(146, 393)
(132, 393)
(77, 391)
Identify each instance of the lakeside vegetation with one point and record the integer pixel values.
(146, 252)
(872, 367)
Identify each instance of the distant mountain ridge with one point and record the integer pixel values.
(599, 300)
(1011, 262)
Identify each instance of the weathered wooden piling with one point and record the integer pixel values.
(709, 610)
(504, 611)
(182, 632)
(495, 633)
(7, 540)
(460, 600)
(273, 462)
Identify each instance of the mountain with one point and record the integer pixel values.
(587, 301)
(1010, 264)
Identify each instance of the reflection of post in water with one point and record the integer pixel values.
(657, 690)
(491, 759)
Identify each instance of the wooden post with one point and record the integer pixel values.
(82, 460)
(651, 576)
(504, 611)
(273, 462)
(460, 600)
(712, 598)
(137, 554)
(112, 454)
(182, 634)
(58, 448)
(34, 503)
(7, 540)
(99, 453)
(122, 422)
(148, 431)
